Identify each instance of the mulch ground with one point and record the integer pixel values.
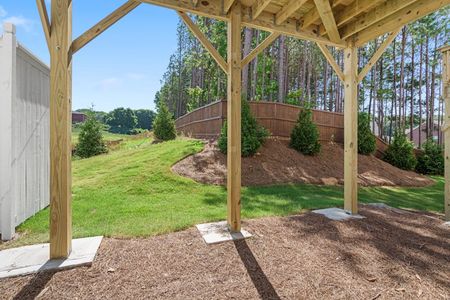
(388, 255)
(276, 163)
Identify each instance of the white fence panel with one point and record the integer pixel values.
(24, 134)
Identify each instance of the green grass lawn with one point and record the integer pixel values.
(107, 136)
(131, 192)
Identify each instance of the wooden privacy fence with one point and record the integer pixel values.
(278, 118)
(24, 134)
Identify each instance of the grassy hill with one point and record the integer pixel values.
(132, 192)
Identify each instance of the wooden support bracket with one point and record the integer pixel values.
(44, 20)
(331, 61)
(204, 41)
(263, 45)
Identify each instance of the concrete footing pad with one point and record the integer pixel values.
(214, 233)
(337, 214)
(35, 258)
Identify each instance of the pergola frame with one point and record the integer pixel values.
(345, 24)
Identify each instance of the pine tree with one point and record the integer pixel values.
(252, 134)
(366, 139)
(401, 152)
(305, 135)
(164, 125)
(90, 140)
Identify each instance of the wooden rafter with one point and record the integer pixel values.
(204, 41)
(380, 12)
(332, 61)
(354, 9)
(263, 45)
(104, 24)
(42, 8)
(312, 16)
(288, 10)
(326, 14)
(404, 16)
(258, 7)
(227, 5)
(265, 21)
(378, 54)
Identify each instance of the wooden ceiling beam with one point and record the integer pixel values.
(288, 10)
(227, 5)
(104, 24)
(312, 16)
(404, 16)
(204, 41)
(379, 13)
(258, 7)
(42, 8)
(326, 14)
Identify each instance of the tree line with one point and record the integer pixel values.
(400, 92)
(124, 120)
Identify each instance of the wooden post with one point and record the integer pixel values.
(234, 119)
(351, 129)
(60, 129)
(446, 96)
(7, 97)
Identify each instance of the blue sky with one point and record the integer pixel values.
(122, 67)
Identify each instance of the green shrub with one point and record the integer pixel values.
(305, 135)
(431, 161)
(366, 139)
(164, 125)
(401, 152)
(252, 134)
(90, 140)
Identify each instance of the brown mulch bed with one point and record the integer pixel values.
(276, 163)
(388, 255)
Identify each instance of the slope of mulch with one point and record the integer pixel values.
(276, 163)
(388, 255)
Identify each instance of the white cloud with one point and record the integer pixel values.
(20, 21)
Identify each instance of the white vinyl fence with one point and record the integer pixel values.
(24, 133)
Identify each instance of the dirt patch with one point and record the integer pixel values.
(388, 255)
(276, 163)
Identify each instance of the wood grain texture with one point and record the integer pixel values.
(60, 130)
(326, 14)
(234, 119)
(446, 97)
(351, 129)
(42, 8)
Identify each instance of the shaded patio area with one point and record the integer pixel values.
(390, 254)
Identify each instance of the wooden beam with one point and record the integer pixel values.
(263, 45)
(326, 14)
(104, 24)
(265, 21)
(42, 8)
(234, 119)
(227, 5)
(378, 54)
(332, 61)
(60, 129)
(312, 16)
(446, 97)
(380, 12)
(348, 13)
(351, 129)
(258, 7)
(204, 41)
(288, 10)
(404, 16)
